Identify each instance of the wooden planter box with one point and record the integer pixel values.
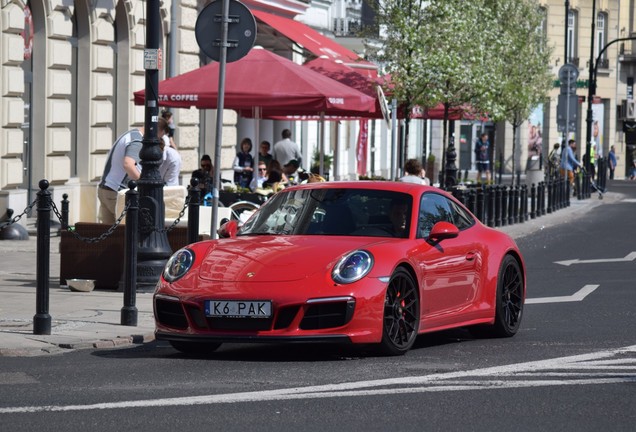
(102, 261)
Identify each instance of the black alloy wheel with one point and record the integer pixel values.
(401, 314)
(509, 301)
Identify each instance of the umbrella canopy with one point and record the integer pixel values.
(344, 74)
(265, 80)
(350, 77)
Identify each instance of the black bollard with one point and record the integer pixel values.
(193, 211)
(131, 240)
(551, 195)
(515, 208)
(541, 196)
(42, 319)
(498, 205)
(64, 213)
(504, 205)
(511, 206)
(533, 201)
(480, 205)
(472, 201)
(524, 203)
(490, 204)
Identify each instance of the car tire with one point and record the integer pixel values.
(195, 348)
(401, 316)
(508, 302)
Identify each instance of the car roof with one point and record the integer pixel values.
(410, 188)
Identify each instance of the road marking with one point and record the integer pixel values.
(630, 257)
(577, 296)
(497, 377)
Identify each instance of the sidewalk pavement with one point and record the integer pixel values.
(82, 320)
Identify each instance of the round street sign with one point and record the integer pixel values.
(568, 71)
(241, 33)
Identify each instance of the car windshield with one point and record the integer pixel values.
(344, 212)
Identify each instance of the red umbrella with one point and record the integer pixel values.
(338, 71)
(264, 80)
(348, 76)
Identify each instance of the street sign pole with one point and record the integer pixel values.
(219, 118)
(214, 41)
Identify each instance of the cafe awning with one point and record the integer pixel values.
(313, 41)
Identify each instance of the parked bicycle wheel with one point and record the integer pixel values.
(242, 210)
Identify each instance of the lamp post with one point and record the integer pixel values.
(592, 91)
(154, 249)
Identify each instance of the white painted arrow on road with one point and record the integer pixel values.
(577, 296)
(629, 257)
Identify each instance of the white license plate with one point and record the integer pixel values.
(238, 309)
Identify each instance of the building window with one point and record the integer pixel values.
(572, 37)
(601, 35)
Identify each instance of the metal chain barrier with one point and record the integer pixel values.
(18, 217)
(104, 235)
(148, 222)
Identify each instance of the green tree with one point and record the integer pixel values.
(522, 64)
(486, 54)
(435, 53)
(401, 24)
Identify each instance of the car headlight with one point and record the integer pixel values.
(178, 265)
(352, 267)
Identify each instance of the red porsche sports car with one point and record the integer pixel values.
(362, 262)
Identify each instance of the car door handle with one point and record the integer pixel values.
(470, 256)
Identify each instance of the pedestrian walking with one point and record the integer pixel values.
(482, 157)
(612, 162)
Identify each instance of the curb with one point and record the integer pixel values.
(63, 347)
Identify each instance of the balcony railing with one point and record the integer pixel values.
(603, 63)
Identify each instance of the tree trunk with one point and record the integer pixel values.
(514, 149)
(442, 168)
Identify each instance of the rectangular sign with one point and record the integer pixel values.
(151, 58)
(238, 308)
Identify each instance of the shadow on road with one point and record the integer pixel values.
(265, 352)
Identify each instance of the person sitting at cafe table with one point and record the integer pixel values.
(290, 169)
(260, 177)
(263, 152)
(205, 175)
(276, 178)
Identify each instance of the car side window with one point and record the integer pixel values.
(461, 218)
(433, 208)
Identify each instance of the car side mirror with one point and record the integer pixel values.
(228, 229)
(443, 230)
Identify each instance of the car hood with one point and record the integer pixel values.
(276, 258)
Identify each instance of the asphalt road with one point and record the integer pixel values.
(572, 366)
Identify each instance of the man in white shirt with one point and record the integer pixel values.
(122, 165)
(285, 150)
(414, 173)
(171, 164)
(260, 177)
